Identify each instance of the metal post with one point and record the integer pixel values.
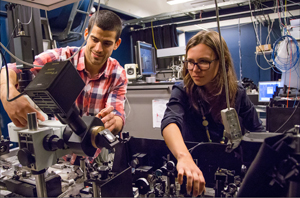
(82, 166)
(95, 190)
(41, 189)
(32, 121)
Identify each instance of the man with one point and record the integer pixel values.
(106, 82)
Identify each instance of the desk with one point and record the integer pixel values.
(138, 108)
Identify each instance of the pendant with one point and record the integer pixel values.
(205, 123)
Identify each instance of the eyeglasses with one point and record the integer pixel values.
(203, 65)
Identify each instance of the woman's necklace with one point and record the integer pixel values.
(205, 124)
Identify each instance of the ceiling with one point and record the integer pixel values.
(198, 14)
(141, 9)
(137, 8)
(158, 10)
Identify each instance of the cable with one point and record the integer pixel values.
(280, 54)
(153, 35)
(12, 55)
(259, 64)
(258, 40)
(17, 26)
(12, 33)
(192, 149)
(29, 19)
(7, 84)
(296, 93)
(288, 118)
(127, 116)
(268, 39)
(240, 50)
(276, 71)
(222, 57)
(287, 96)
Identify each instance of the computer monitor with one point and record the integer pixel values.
(145, 58)
(266, 90)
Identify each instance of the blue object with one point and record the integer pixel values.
(266, 90)
(289, 62)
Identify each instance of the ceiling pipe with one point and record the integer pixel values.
(214, 17)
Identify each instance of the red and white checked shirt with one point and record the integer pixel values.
(108, 88)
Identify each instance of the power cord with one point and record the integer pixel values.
(7, 84)
(127, 116)
(288, 118)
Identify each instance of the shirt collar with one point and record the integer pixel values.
(80, 64)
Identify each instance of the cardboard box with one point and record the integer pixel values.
(266, 47)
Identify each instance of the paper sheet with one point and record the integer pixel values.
(158, 110)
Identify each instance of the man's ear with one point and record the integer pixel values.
(86, 33)
(117, 44)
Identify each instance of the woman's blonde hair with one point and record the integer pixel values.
(216, 96)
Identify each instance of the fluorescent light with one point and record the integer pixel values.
(201, 28)
(173, 2)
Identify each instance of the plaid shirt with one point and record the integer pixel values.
(108, 88)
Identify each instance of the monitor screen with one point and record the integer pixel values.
(266, 90)
(145, 58)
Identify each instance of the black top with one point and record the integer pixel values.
(180, 112)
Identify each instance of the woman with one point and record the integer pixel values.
(193, 111)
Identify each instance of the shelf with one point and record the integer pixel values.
(265, 52)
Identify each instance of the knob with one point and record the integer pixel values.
(143, 186)
(158, 173)
(103, 171)
(125, 135)
(94, 175)
(170, 166)
(25, 157)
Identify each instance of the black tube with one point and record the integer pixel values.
(74, 121)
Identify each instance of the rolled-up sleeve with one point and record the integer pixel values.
(175, 108)
(116, 97)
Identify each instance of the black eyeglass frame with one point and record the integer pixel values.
(209, 62)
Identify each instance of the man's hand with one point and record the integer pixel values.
(186, 166)
(109, 119)
(18, 109)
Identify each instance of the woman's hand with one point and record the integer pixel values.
(186, 166)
